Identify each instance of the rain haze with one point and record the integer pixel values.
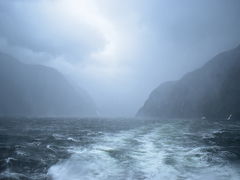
(119, 51)
(119, 89)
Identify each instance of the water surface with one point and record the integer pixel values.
(119, 149)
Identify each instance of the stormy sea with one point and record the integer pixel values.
(119, 149)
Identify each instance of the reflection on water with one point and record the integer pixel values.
(119, 149)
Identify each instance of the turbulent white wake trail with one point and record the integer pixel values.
(151, 153)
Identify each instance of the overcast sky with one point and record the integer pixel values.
(119, 50)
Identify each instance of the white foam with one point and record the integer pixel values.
(7, 174)
(144, 153)
(10, 159)
(72, 139)
(50, 148)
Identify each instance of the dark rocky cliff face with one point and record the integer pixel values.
(212, 91)
(35, 90)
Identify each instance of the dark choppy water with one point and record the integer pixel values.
(119, 149)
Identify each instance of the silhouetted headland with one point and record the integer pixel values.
(209, 92)
(36, 90)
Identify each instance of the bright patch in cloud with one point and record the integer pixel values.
(87, 14)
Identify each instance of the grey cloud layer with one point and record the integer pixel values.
(154, 41)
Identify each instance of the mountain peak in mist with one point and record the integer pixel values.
(36, 90)
(211, 91)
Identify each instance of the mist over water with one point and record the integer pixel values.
(106, 149)
(123, 58)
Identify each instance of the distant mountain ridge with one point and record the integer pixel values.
(212, 91)
(36, 90)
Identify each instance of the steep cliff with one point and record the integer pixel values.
(213, 91)
(35, 90)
